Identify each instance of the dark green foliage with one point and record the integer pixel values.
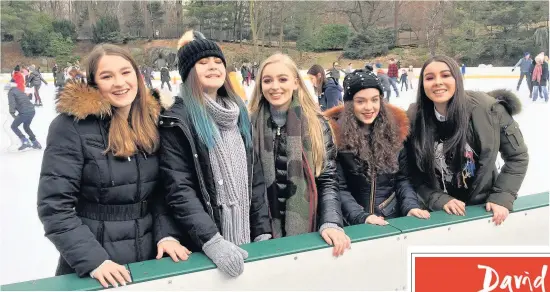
(66, 28)
(107, 30)
(368, 44)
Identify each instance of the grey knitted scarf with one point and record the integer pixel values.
(229, 166)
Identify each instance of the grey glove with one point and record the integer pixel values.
(226, 256)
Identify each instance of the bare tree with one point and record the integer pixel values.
(434, 23)
(364, 14)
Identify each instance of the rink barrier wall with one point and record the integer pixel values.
(282, 263)
(471, 73)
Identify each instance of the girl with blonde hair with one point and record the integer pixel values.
(213, 183)
(297, 153)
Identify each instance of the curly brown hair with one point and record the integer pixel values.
(376, 145)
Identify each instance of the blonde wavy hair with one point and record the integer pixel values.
(310, 109)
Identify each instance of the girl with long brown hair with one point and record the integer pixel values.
(372, 162)
(98, 196)
(297, 153)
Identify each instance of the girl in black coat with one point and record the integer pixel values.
(372, 162)
(98, 197)
(214, 184)
(295, 145)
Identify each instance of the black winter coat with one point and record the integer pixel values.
(19, 102)
(329, 209)
(96, 207)
(189, 182)
(389, 195)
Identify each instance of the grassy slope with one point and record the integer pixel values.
(12, 54)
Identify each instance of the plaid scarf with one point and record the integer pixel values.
(301, 205)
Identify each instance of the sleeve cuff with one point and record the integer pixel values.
(167, 238)
(329, 225)
(262, 237)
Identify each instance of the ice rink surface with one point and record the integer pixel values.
(26, 254)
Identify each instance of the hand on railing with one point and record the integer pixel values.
(500, 213)
(174, 249)
(419, 213)
(226, 256)
(338, 238)
(456, 207)
(111, 272)
(376, 220)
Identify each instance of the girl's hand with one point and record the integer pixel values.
(174, 249)
(376, 220)
(499, 213)
(456, 207)
(338, 239)
(419, 213)
(113, 273)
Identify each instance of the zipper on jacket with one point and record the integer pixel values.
(138, 183)
(372, 188)
(107, 155)
(278, 131)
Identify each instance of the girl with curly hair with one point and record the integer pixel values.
(372, 162)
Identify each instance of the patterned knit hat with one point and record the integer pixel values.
(359, 80)
(195, 50)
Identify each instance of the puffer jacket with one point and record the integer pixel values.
(331, 94)
(96, 207)
(492, 131)
(329, 209)
(35, 79)
(189, 184)
(389, 195)
(18, 101)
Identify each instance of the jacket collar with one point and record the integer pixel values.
(80, 100)
(399, 117)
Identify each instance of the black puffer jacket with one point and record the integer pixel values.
(189, 182)
(18, 101)
(329, 206)
(389, 195)
(96, 207)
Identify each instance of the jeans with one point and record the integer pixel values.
(543, 92)
(25, 119)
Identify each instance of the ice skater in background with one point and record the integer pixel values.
(35, 79)
(19, 102)
(539, 78)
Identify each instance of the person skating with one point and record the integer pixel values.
(35, 79)
(20, 103)
(165, 78)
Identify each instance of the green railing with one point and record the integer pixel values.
(163, 268)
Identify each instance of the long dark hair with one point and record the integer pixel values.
(457, 120)
(314, 70)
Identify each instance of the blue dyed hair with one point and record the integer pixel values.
(200, 118)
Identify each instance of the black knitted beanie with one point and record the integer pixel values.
(195, 50)
(359, 80)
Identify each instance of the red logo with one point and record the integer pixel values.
(485, 273)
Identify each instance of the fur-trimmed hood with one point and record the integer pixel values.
(399, 117)
(505, 97)
(80, 100)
